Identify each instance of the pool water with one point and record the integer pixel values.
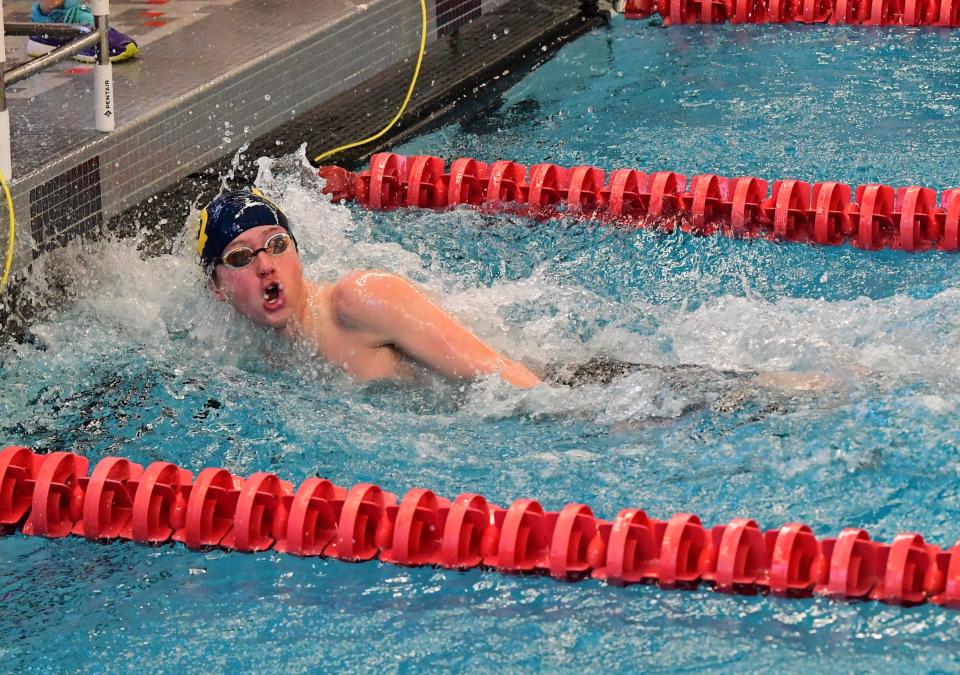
(144, 364)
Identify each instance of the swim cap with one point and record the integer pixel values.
(230, 215)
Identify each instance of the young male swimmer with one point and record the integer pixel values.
(373, 324)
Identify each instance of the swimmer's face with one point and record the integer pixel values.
(270, 289)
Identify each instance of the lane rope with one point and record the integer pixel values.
(932, 13)
(56, 494)
(828, 213)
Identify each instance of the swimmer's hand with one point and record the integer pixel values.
(386, 309)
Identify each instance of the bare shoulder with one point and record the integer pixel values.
(358, 293)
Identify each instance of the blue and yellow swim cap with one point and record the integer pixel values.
(230, 215)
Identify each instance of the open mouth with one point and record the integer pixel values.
(273, 295)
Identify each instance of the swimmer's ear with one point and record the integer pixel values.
(214, 286)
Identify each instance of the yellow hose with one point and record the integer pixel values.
(13, 231)
(403, 106)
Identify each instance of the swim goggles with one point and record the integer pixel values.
(243, 255)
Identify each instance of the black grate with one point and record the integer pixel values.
(66, 206)
(451, 14)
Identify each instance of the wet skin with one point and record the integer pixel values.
(370, 323)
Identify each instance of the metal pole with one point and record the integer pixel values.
(58, 30)
(6, 161)
(103, 71)
(14, 75)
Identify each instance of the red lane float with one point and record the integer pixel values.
(627, 195)
(741, 556)
(417, 530)
(19, 468)
(667, 190)
(312, 517)
(260, 514)
(505, 182)
(950, 229)
(831, 213)
(788, 209)
(210, 508)
(426, 183)
(574, 532)
(518, 538)
(547, 185)
(746, 204)
(875, 223)
(623, 552)
(916, 211)
(461, 546)
(58, 494)
(364, 525)
(387, 184)
(52, 495)
(949, 565)
(708, 204)
(747, 11)
(108, 502)
(939, 13)
(467, 182)
(585, 190)
(828, 213)
(159, 503)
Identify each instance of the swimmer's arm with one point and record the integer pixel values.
(394, 311)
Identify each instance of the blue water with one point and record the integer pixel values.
(145, 365)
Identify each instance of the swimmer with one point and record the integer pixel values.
(373, 324)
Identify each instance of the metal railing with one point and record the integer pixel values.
(81, 37)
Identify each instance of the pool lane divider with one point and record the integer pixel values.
(52, 495)
(929, 13)
(829, 213)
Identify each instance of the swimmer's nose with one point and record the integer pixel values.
(264, 263)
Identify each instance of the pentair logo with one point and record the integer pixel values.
(107, 103)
